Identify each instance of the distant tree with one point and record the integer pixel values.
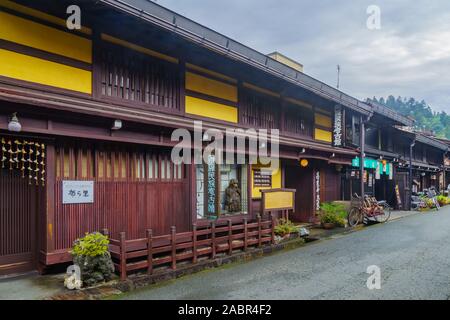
(426, 118)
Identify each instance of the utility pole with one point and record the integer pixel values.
(362, 138)
(411, 146)
(338, 75)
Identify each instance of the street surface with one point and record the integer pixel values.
(413, 254)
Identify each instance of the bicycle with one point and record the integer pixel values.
(368, 209)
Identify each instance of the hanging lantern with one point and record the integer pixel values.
(14, 124)
(304, 163)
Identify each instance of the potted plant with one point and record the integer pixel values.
(284, 229)
(443, 200)
(331, 215)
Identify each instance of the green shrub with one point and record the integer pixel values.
(285, 227)
(333, 213)
(91, 254)
(91, 245)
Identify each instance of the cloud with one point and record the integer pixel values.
(408, 56)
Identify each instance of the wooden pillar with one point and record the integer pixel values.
(174, 246)
(245, 234)
(230, 237)
(150, 251)
(50, 197)
(272, 228)
(194, 243)
(259, 232)
(213, 240)
(123, 257)
(362, 134)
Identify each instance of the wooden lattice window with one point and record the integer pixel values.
(259, 111)
(298, 120)
(131, 76)
(116, 165)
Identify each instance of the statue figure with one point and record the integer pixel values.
(233, 197)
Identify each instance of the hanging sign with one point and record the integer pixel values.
(370, 181)
(378, 173)
(337, 127)
(397, 195)
(391, 171)
(76, 192)
(368, 163)
(317, 190)
(211, 191)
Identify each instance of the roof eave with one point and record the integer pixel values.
(269, 66)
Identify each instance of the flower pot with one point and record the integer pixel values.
(328, 225)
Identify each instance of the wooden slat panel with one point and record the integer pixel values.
(136, 77)
(125, 199)
(18, 212)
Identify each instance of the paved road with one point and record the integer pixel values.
(413, 254)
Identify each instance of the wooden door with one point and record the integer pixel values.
(18, 212)
(401, 179)
(330, 184)
(302, 180)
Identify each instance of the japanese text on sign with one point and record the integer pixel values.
(78, 192)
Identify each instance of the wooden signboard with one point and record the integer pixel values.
(278, 200)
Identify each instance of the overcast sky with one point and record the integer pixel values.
(408, 56)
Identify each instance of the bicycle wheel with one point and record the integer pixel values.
(354, 217)
(382, 218)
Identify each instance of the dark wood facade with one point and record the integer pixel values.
(154, 81)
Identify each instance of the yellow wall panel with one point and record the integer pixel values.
(279, 200)
(322, 120)
(197, 83)
(38, 36)
(210, 109)
(323, 135)
(23, 67)
(276, 182)
(40, 15)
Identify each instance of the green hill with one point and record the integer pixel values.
(426, 118)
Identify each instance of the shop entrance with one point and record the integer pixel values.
(18, 214)
(301, 179)
(385, 190)
(402, 186)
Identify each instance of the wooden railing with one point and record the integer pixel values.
(201, 243)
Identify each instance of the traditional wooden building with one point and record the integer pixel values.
(86, 118)
(427, 163)
(381, 158)
(391, 148)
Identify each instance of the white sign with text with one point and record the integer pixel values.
(77, 192)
